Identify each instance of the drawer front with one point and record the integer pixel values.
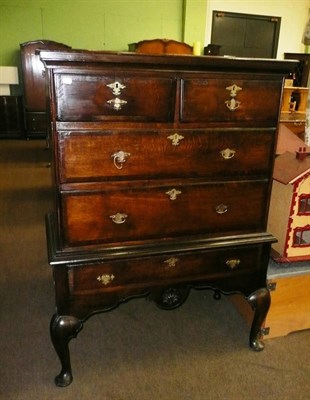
(118, 213)
(163, 270)
(86, 156)
(114, 98)
(230, 100)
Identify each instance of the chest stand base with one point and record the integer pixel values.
(63, 328)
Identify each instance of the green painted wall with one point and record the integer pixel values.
(97, 24)
(194, 21)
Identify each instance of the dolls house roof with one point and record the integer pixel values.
(289, 141)
(290, 167)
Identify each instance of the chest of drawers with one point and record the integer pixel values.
(162, 168)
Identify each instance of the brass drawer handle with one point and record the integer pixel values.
(105, 279)
(119, 218)
(233, 263)
(227, 154)
(171, 262)
(119, 158)
(117, 103)
(173, 193)
(221, 208)
(232, 104)
(175, 139)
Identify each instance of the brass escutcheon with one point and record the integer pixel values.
(173, 193)
(116, 87)
(233, 263)
(171, 262)
(175, 139)
(105, 279)
(234, 89)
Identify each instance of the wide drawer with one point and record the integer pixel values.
(230, 100)
(164, 270)
(93, 156)
(122, 213)
(110, 97)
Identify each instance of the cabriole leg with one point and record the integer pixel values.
(63, 328)
(260, 302)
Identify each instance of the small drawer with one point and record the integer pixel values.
(120, 213)
(36, 122)
(95, 156)
(123, 97)
(166, 270)
(230, 100)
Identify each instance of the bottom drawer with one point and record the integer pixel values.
(229, 265)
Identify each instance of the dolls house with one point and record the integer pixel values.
(289, 215)
(288, 276)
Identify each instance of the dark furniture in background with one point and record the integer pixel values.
(245, 35)
(162, 168)
(11, 117)
(301, 72)
(296, 121)
(34, 86)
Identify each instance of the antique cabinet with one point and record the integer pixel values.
(302, 68)
(11, 117)
(34, 86)
(162, 169)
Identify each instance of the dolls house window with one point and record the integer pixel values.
(302, 236)
(304, 205)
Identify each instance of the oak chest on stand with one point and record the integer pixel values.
(162, 168)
